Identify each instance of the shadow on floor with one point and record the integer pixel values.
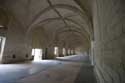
(75, 58)
(86, 75)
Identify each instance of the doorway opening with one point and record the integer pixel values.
(56, 51)
(37, 54)
(64, 51)
(2, 45)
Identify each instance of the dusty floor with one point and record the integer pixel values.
(49, 71)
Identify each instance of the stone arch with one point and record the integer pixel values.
(65, 6)
(58, 18)
(73, 28)
(69, 7)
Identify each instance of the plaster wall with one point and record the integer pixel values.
(109, 42)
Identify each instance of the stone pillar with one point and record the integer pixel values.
(44, 53)
(60, 52)
(50, 53)
(109, 40)
(74, 52)
(66, 51)
(16, 47)
(71, 51)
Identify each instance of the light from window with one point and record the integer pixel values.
(37, 53)
(64, 51)
(2, 45)
(56, 50)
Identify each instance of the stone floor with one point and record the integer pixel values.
(48, 71)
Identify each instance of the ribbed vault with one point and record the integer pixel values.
(53, 22)
(65, 24)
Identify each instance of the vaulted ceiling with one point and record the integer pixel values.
(53, 22)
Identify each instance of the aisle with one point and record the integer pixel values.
(64, 72)
(48, 71)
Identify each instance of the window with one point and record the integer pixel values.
(56, 51)
(64, 51)
(33, 52)
(37, 53)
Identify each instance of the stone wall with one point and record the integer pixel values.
(109, 42)
(16, 48)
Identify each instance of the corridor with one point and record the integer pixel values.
(49, 71)
(62, 41)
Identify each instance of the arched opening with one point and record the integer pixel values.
(2, 45)
(37, 54)
(64, 51)
(37, 41)
(3, 30)
(92, 28)
(56, 51)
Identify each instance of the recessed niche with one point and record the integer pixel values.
(13, 56)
